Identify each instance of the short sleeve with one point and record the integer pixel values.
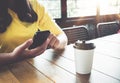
(45, 21)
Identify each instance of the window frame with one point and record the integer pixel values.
(68, 22)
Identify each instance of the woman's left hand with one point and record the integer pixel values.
(57, 42)
(54, 42)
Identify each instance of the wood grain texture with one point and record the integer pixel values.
(26, 73)
(99, 77)
(6, 76)
(59, 66)
(56, 73)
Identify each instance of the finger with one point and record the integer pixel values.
(52, 42)
(50, 36)
(39, 49)
(39, 53)
(20, 50)
(56, 45)
(26, 44)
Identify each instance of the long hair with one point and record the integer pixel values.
(22, 8)
(5, 18)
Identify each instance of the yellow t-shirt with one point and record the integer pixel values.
(18, 31)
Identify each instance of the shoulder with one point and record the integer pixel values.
(36, 4)
(38, 7)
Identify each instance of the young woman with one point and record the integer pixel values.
(19, 20)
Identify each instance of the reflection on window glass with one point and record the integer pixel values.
(82, 8)
(109, 6)
(78, 8)
(53, 7)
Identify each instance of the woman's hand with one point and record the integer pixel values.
(54, 42)
(57, 42)
(21, 52)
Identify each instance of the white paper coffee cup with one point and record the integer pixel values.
(83, 60)
(83, 57)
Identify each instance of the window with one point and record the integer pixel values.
(78, 12)
(109, 7)
(53, 7)
(81, 8)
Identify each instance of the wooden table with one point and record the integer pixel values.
(59, 67)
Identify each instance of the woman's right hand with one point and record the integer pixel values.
(22, 52)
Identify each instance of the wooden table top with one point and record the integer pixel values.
(59, 67)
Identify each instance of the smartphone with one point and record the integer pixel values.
(39, 38)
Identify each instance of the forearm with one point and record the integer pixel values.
(6, 58)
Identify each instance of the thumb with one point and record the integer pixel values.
(26, 44)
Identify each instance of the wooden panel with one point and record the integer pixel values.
(107, 47)
(59, 67)
(107, 65)
(111, 38)
(61, 61)
(56, 73)
(6, 76)
(68, 53)
(26, 73)
(98, 77)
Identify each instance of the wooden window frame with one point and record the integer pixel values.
(68, 22)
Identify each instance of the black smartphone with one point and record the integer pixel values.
(39, 38)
